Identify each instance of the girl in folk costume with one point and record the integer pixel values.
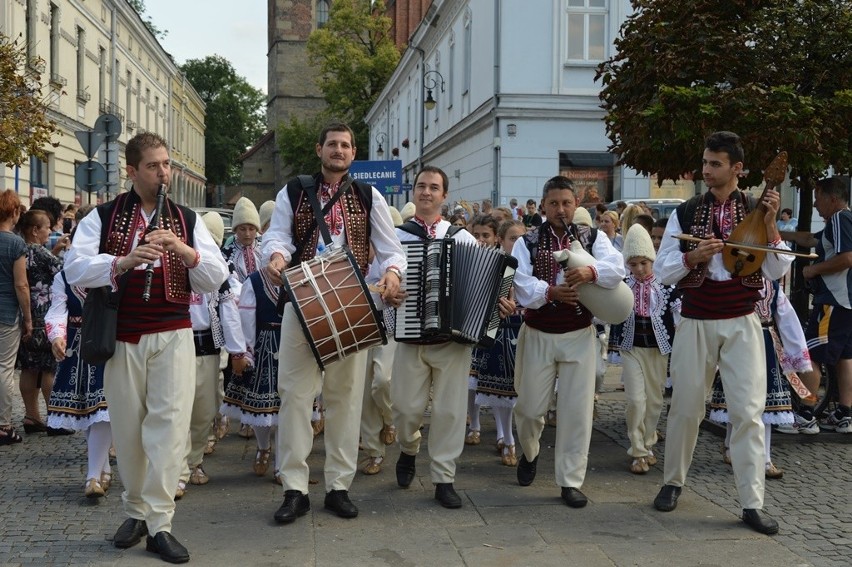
(494, 369)
(253, 397)
(77, 400)
(645, 343)
(484, 229)
(216, 326)
(242, 254)
(786, 354)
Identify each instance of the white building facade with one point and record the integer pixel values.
(98, 58)
(516, 101)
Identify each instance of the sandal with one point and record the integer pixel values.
(500, 446)
(473, 438)
(508, 457)
(106, 480)
(261, 462)
(8, 436)
(639, 466)
(34, 425)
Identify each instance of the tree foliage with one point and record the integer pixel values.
(25, 128)
(139, 6)
(356, 56)
(235, 117)
(774, 71)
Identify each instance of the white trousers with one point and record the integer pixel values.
(643, 373)
(299, 382)
(736, 346)
(204, 409)
(540, 358)
(376, 411)
(149, 389)
(443, 368)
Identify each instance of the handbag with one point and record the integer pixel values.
(100, 321)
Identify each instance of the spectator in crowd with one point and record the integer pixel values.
(532, 218)
(517, 212)
(35, 358)
(15, 316)
(458, 220)
(608, 223)
(502, 214)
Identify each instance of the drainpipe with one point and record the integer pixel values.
(495, 189)
(421, 141)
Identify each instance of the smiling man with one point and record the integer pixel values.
(359, 217)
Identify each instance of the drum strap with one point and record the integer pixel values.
(310, 189)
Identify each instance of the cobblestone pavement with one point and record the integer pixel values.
(47, 521)
(811, 502)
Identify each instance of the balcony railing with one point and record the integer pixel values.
(84, 96)
(109, 107)
(58, 80)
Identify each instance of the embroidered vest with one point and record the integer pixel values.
(696, 218)
(356, 220)
(119, 218)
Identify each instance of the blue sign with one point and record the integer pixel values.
(386, 175)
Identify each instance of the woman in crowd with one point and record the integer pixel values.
(35, 356)
(14, 307)
(608, 224)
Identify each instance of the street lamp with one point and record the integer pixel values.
(431, 83)
(380, 139)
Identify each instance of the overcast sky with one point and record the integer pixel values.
(236, 30)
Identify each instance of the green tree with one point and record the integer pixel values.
(776, 72)
(356, 57)
(25, 128)
(235, 115)
(139, 6)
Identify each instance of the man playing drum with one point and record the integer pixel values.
(359, 218)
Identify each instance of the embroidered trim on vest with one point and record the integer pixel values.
(701, 226)
(356, 222)
(126, 213)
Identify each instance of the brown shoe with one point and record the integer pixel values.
(388, 434)
(639, 466)
(220, 426)
(94, 489)
(180, 491)
(651, 459)
(373, 465)
(106, 480)
(508, 457)
(210, 447)
(500, 446)
(473, 438)
(261, 462)
(773, 472)
(246, 432)
(198, 476)
(318, 426)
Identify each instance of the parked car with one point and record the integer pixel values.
(226, 214)
(660, 208)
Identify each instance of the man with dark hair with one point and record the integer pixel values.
(719, 328)
(557, 338)
(829, 330)
(532, 218)
(358, 217)
(150, 380)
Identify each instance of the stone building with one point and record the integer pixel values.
(100, 58)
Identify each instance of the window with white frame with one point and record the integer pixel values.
(38, 172)
(585, 30)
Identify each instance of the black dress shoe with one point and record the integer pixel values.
(405, 469)
(57, 431)
(168, 547)
(573, 497)
(760, 521)
(338, 502)
(129, 533)
(446, 495)
(295, 504)
(526, 470)
(666, 500)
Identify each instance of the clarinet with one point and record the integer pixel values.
(154, 225)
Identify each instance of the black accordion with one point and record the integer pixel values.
(453, 291)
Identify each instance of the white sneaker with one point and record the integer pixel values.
(839, 425)
(799, 425)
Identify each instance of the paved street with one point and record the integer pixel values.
(46, 521)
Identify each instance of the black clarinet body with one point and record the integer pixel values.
(152, 226)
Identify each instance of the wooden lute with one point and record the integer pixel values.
(752, 230)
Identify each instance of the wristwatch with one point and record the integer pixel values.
(395, 271)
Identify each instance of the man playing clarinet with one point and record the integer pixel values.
(557, 339)
(718, 329)
(150, 380)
